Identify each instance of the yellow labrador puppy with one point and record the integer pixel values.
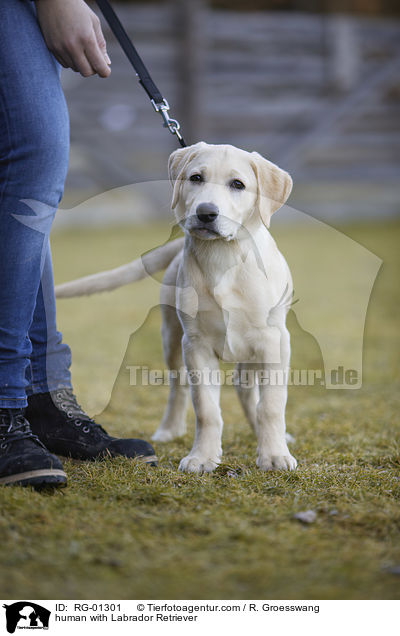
(227, 284)
(224, 297)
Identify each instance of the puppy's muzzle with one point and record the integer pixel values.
(207, 212)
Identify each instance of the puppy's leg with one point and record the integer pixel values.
(248, 392)
(206, 453)
(173, 423)
(273, 453)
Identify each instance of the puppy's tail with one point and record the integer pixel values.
(146, 265)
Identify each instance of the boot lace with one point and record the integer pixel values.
(14, 428)
(65, 400)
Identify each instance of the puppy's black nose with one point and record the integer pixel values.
(207, 212)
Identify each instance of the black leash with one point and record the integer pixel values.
(159, 103)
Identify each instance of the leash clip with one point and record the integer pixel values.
(173, 125)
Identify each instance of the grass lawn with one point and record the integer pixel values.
(121, 530)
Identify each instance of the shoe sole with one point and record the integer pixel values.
(149, 459)
(45, 477)
(143, 459)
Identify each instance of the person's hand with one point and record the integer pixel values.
(73, 34)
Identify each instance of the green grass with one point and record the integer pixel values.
(122, 530)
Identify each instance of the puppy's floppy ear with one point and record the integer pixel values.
(274, 186)
(177, 163)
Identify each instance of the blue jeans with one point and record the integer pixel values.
(34, 150)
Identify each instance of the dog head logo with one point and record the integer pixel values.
(26, 615)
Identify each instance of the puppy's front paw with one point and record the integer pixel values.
(277, 462)
(195, 464)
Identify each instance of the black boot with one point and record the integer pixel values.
(61, 424)
(24, 460)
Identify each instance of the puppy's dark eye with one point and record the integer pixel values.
(236, 184)
(196, 178)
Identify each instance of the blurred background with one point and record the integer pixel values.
(312, 85)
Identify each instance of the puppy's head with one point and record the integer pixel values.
(217, 189)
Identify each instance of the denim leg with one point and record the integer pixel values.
(51, 358)
(34, 148)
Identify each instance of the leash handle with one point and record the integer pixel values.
(160, 104)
